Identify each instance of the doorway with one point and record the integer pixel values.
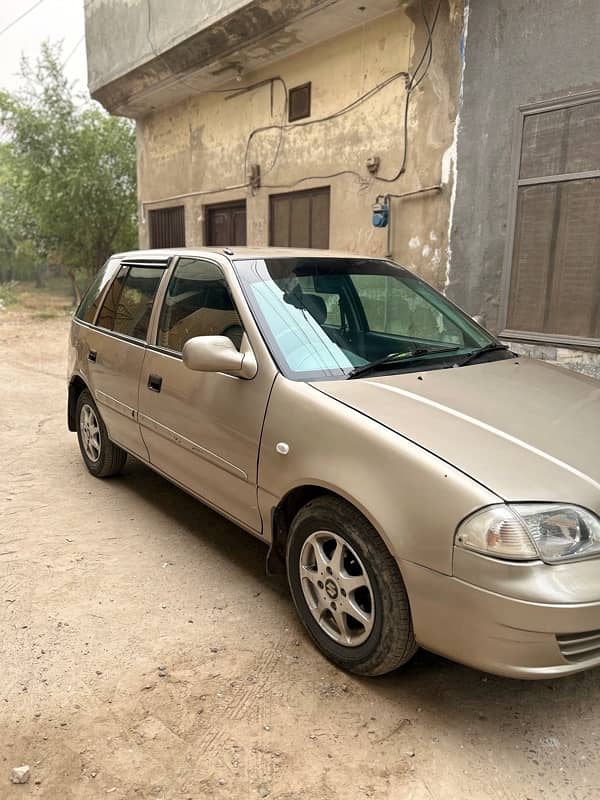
(225, 225)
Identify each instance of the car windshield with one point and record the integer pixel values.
(334, 317)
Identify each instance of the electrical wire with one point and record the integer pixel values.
(72, 53)
(362, 180)
(22, 16)
(428, 52)
(334, 115)
(413, 83)
(232, 92)
(281, 132)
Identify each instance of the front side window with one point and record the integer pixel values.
(91, 299)
(128, 303)
(555, 265)
(197, 303)
(326, 317)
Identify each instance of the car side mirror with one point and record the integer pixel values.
(218, 354)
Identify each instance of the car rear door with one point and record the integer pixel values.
(115, 349)
(203, 429)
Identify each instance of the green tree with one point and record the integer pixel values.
(67, 171)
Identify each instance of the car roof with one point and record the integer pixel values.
(238, 252)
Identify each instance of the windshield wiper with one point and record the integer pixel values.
(395, 358)
(492, 347)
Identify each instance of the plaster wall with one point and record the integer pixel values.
(122, 34)
(198, 145)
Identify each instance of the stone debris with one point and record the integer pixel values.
(20, 774)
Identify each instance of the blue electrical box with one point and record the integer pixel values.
(381, 215)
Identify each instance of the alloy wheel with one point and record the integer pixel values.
(90, 432)
(337, 588)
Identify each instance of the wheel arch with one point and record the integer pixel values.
(287, 508)
(76, 386)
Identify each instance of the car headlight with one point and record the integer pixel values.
(527, 531)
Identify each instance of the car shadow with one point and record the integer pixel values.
(197, 520)
(430, 684)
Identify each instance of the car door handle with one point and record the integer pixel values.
(92, 356)
(154, 383)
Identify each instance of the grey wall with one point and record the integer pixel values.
(117, 31)
(517, 52)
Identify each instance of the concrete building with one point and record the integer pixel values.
(525, 238)
(181, 70)
(284, 122)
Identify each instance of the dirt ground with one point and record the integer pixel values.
(103, 582)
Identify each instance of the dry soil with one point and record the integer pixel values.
(103, 583)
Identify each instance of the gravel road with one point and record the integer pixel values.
(145, 654)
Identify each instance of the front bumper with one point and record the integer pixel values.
(496, 633)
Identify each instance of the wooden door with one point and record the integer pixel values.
(226, 225)
(300, 219)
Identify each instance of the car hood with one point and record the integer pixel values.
(525, 429)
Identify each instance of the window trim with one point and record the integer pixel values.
(523, 112)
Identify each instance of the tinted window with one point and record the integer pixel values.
(128, 303)
(198, 303)
(330, 299)
(91, 299)
(405, 309)
(321, 317)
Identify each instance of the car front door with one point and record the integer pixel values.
(115, 350)
(202, 429)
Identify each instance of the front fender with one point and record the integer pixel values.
(411, 497)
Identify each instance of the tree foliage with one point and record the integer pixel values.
(67, 171)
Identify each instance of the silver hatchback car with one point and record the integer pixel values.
(419, 483)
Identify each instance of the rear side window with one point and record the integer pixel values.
(128, 303)
(91, 299)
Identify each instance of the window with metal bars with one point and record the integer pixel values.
(554, 270)
(167, 227)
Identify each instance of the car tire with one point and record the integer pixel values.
(101, 456)
(336, 558)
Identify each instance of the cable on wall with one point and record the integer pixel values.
(412, 82)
